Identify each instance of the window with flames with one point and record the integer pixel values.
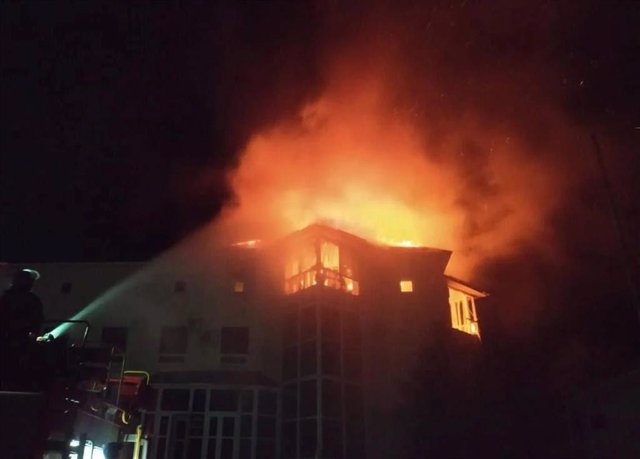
(320, 262)
(463, 312)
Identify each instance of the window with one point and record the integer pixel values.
(116, 337)
(308, 438)
(246, 401)
(463, 312)
(234, 340)
(173, 344)
(308, 359)
(180, 286)
(308, 397)
(199, 396)
(238, 287)
(175, 400)
(267, 403)
(331, 398)
(319, 262)
(406, 286)
(223, 400)
(66, 287)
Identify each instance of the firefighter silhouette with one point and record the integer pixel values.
(20, 321)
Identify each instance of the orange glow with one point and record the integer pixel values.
(319, 262)
(463, 312)
(355, 161)
(238, 286)
(251, 244)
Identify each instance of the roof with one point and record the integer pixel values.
(240, 378)
(464, 287)
(338, 235)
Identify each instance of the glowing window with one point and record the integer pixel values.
(238, 287)
(463, 312)
(406, 286)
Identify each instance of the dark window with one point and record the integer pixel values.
(174, 340)
(196, 425)
(228, 427)
(266, 427)
(308, 398)
(223, 400)
(211, 449)
(167, 358)
(332, 444)
(234, 340)
(289, 437)
(352, 364)
(353, 401)
(330, 358)
(199, 396)
(598, 421)
(246, 425)
(149, 424)
(291, 328)
(194, 450)
(226, 449)
(180, 429)
(116, 337)
(290, 363)
(162, 447)
(265, 449)
(307, 323)
(308, 438)
(268, 403)
(180, 286)
(308, 359)
(331, 398)
(352, 335)
(66, 287)
(233, 359)
(355, 439)
(164, 425)
(290, 401)
(246, 401)
(245, 449)
(175, 400)
(213, 426)
(330, 323)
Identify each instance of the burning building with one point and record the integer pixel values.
(297, 348)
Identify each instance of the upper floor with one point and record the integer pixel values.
(221, 308)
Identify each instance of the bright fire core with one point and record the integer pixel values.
(347, 167)
(354, 161)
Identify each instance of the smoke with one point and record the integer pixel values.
(436, 125)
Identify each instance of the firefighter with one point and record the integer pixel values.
(20, 321)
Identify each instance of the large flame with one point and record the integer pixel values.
(356, 161)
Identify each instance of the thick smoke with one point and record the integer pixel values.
(436, 125)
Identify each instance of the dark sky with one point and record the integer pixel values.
(110, 111)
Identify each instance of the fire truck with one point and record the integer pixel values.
(79, 402)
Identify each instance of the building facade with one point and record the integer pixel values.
(294, 349)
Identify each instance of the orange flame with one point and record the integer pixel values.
(352, 161)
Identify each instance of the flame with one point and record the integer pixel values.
(250, 244)
(343, 166)
(354, 160)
